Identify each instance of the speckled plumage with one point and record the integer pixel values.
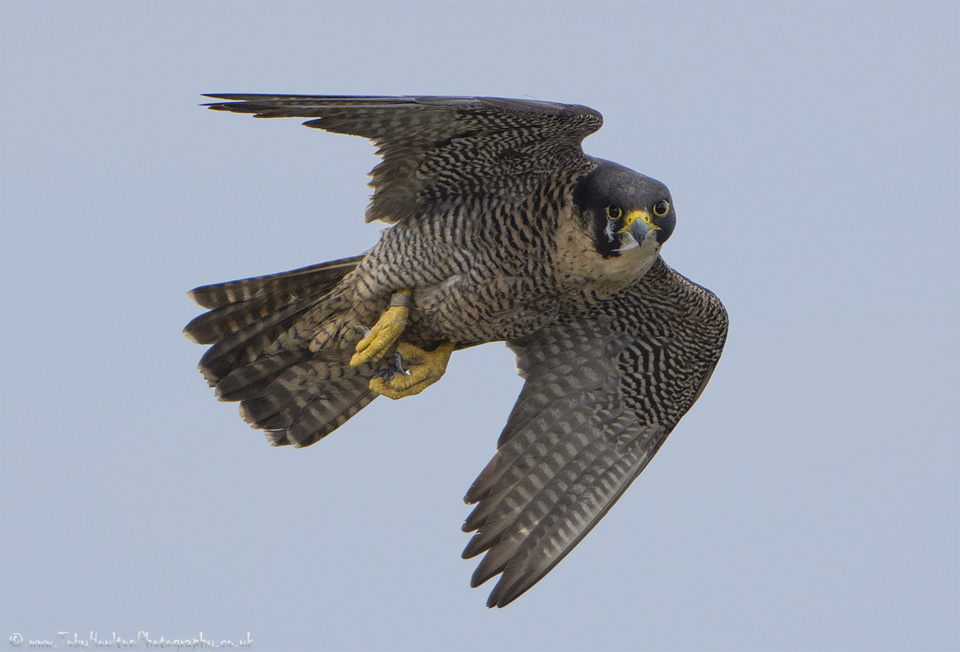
(604, 387)
(504, 231)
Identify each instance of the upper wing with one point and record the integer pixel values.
(438, 147)
(602, 393)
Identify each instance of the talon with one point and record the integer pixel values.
(424, 368)
(392, 370)
(378, 342)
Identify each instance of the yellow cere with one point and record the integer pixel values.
(633, 216)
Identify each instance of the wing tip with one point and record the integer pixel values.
(190, 335)
(502, 595)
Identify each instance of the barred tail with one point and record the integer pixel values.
(296, 395)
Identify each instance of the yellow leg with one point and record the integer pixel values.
(385, 333)
(424, 369)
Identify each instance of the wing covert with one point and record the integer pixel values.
(602, 392)
(435, 148)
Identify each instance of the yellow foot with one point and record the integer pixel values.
(385, 333)
(424, 369)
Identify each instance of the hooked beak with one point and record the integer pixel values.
(642, 219)
(637, 225)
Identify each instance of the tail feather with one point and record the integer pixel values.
(246, 345)
(319, 419)
(295, 411)
(213, 326)
(315, 278)
(250, 381)
(260, 357)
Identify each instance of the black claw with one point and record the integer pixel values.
(387, 373)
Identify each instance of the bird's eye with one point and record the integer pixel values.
(614, 212)
(661, 208)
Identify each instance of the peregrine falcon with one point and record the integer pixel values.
(502, 230)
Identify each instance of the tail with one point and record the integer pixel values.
(296, 395)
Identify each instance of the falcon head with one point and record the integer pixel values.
(625, 210)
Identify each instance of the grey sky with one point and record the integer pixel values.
(810, 500)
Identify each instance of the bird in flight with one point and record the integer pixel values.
(502, 230)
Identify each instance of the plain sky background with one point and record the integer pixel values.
(810, 500)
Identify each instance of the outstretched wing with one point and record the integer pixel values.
(602, 393)
(439, 147)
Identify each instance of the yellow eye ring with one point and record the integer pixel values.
(661, 208)
(614, 212)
